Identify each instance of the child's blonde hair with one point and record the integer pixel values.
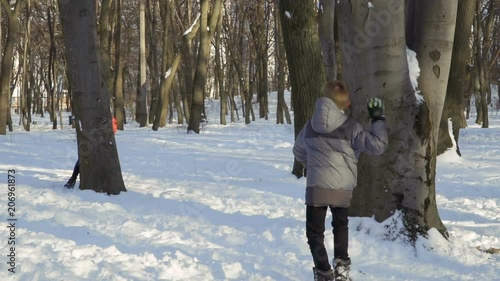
(338, 92)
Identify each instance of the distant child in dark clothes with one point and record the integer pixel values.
(76, 170)
(329, 146)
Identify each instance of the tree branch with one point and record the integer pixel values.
(6, 5)
(214, 16)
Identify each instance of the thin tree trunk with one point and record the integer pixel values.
(105, 43)
(187, 57)
(99, 163)
(25, 92)
(259, 30)
(141, 102)
(483, 46)
(153, 57)
(166, 86)
(219, 72)
(167, 75)
(207, 27)
(119, 105)
(282, 109)
(52, 62)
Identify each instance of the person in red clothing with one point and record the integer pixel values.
(76, 170)
(115, 125)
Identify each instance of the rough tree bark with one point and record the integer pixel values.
(99, 164)
(326, 25)
(105, 42)
(374, 64)
(305, 63)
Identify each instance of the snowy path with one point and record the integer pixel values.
(223, 206)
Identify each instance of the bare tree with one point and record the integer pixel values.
(483, 30)
(25, 110)
(7, 60)
(260, 28)
(168, 68)
(50, 84)
(208, 22)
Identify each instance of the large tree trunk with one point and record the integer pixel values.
(99, 164)
(207, 28)
(7, 62)
(457, 83)
(141, 102)
(326, 25)
(374, 54)
(434, 46)
(303, 52)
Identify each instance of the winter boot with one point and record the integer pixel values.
(70, 184)
(321, 275)
(342, 268)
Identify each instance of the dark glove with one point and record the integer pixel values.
(376, 109)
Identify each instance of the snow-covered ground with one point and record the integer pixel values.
(223, 205)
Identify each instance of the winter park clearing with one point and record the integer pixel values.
(223, 205)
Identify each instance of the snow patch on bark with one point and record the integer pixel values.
(167, 74)
(414, 70)
(192, 26)
(370, 5)
(288, 14)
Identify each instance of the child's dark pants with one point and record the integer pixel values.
(76, 170)
(315, 228)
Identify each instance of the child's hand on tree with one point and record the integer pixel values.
(376, 109)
